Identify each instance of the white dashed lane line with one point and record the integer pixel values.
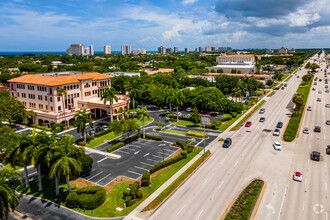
(102, 160)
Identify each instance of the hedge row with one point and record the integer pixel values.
(89, 197)
(196, 134)
(165, 163)
(101, 133)
(115, 147)
(153, 137)
(132, 138)
(181, 144)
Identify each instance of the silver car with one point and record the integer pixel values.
(306, 131)
(327, 122)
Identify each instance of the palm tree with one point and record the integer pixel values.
(64, 164)
(61, 92)
(178, 100)
(8, 198)
(169, 97)
(143, 113)
(81, 119)
(133, 91)
(109, 94)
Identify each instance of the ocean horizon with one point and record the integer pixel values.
(15, 53)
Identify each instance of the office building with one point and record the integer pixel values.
(282, 50)
(125, 49)
(269, 51)
(176, 49)
(208, 49)
(169, 50)
(75, 49)
(38, 92)
(291, 50)
(200, 49)
(136, 52)
(91, 50)
(107, 49)
(186, 50)
(162, 50)
(86, 51)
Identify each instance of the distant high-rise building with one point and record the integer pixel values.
(176, 49)
(186, 50)
(208, 49)
(169, 50)
(224, 48)
(107, 49)
(269, 51)
(162, 50)
(86, 51)
(125, 49)
(200, 49)
(136, 52)
(213, 49)
(75, 49)
(91, 50)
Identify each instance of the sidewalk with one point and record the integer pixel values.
(213, 146)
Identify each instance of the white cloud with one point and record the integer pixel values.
(189, 2)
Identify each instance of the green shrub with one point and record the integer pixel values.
(101, 133)
(196, 134)
(181, 144)
(234, 114)
(190, 149)
(89, 197)
(58, 126)
(165, 163)
(139, 194)
(184, 154)
(134, 188)
(86, 163)
(154, 137)
(115, 147)
(145, 181)
(132, 138)
(81, 143)
(226, 118)
(89, 138)
(130, 202)
(126, 193)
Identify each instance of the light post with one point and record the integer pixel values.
(162, 126)
(205, 120)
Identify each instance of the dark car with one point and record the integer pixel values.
(328, 149)
(227, 143)
(214, 113)
(98, 129)
(279, 125)
(276, 88)
(317, 129)
(262, 119)
(315, 156)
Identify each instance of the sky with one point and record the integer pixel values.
(52, 25)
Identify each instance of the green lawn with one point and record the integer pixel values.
(114, 197)
(184, 123)
(288, 78)
(225, 124)
(284, 77)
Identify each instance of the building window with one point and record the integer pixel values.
(59, 108)
(18, 94)
(32, 96)
(46, 107)
(39, 97)
(87, 93)
(30, 87)
(45, 98)
(51, 108)
(23, 95)
(77, 95)
(58, 99)
(51, 99)
(32, 105)
(41, 106)
(12, 93)
(50, 91)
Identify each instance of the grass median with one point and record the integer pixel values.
(247, 116)
(287, 79)
(293, 126)
(159, 199)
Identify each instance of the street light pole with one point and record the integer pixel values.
(204, 139)
(163, 142)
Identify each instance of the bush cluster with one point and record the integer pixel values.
(89, 138)
(81, 143)
(145, 181)
(130, 196)
(184, 154)
(115, 147)
(181, 144)
(165, 163)
(89, 197)
(60, 126)
(101, 133)
(196, 134)
(132, 138)
(234, 114)
(227, 118)
(154, 137)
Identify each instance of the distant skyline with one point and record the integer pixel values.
(52, 25)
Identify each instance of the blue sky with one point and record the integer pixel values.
(52, 25)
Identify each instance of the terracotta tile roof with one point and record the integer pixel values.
(57, 80)
(238, 55)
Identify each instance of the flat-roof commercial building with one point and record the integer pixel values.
(75, 49)
(139, 51)
(38, 92)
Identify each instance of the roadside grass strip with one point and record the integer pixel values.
(245, 203)
(287, 79)
(171, 188)
(293, 126)
(271, 94)
(247, 116)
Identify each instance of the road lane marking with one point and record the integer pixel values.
(157, 156)
(205, 181)
(134, 172)
(261, 201)
(95, 175)
(220, 185)
(103, 178)
(236, 164)
(152, 160)
(146, 154)
(303, 208)
(249, 168)
(180, 211)
(225, 207)
(141, 168)
(238, 186)
(325, 165)
(199, 214)
(306, 182)
(33, 173)
(147, 164)
(244, 175)
(279, 213)
(326, 187)
(102, 160)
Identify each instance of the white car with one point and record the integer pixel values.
(306, 131)
(189, 109)
(277, 145)
(276, 132)
(309, 108)
(327, 105)
(297, 176)
(327, 122)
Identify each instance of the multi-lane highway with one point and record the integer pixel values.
(213, 187)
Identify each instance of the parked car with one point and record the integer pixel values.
(317, 129)
(297, 176)
(227, 143)
(306, 131)
(262, 110)
(262, 119)
(98, 129)
(276, 88)
(248, 124)
(277, 145)
(313, 89)
(92, 132)
(309, 108)
(279, 124)
(105, 127)
(277, 132)
(327, 150)
(315, 155)
(214, 113)
(178, 113)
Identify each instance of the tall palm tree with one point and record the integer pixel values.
(143, 113)
(8, 198)
(178, 101)
(169, 97)
(61, 92)
(81, 119)
(65, 164)
(109, 94)
(133, 91)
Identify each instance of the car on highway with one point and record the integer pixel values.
(277, 145)
(326, 86)
(319, 92)
(227, 143)
(285, 85)
(248, 124)
(327, 150)
(313, 89)
(277, 132)
(306, 131)
(327, 90)
(276, 88)
(297, 176)
(317, 129)
(309, 108)
(320, 80)
(315, 83)
(297, 76)
(318, 99)
(327, 105)
(279, 124)
(262, 110)
(327, 122)
(315, 155)
(262, 119)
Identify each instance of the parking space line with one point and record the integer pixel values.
(95, 175)
(141, 168)
(87, 173)
(120, 151)
(157, 156)
(199, 142)
(135, 146)
(147, 164)
(126, 148)
(152, 160)
(163, 153)
(103, 178)
(134, 172)
(102, 159)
